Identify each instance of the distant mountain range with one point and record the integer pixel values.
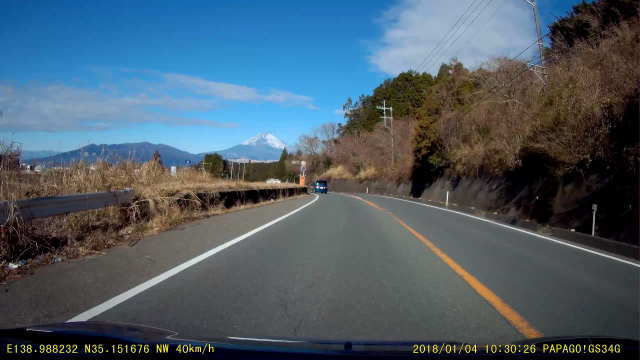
(28, 155)
(262, 147)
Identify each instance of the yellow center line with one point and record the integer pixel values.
(512, 316)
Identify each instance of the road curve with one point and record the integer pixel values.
(342, 269)
(560, 289)
(368, 268)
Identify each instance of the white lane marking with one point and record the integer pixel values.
(99, 309)
(520, 230)
(266, 340)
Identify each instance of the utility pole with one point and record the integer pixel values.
(538, 69)
(389, 125)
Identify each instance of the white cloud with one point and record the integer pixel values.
(412, 28)
(238, 92)
(62, 108)
(285, 97)
(158, 98)
(217, 89)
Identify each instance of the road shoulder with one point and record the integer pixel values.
(60, 291)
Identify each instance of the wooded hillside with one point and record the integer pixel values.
(580, 125)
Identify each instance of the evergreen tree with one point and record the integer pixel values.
(214, 164)
(281, 171)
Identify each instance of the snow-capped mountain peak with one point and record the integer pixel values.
(265, 139)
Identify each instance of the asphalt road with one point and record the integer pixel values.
(342, 268)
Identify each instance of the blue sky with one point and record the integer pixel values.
(206, 75)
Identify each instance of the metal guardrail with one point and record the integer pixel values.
(58, 205)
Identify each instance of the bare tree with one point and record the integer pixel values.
(327, 131)
(9, 156)
(309, 145)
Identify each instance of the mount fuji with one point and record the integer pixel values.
(265, 139)
(262, 147)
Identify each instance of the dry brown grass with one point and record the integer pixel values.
(367, 174)
(337, 172)
(341, 173)
(569, 119)
(148, 180)
(159, 205)
(369, 155)
(494, 120)
(89, 233)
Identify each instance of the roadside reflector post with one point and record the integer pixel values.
(446, 201)
(367, 189)
(174, 170)
(594, 207)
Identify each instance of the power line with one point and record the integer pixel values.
(531, 64)
(527, 48)
(447, 41)
(439, 55)
(490, 91)
(510, 81)
(539, 62)
(447, 34)
(504, 85)
(487, 22)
